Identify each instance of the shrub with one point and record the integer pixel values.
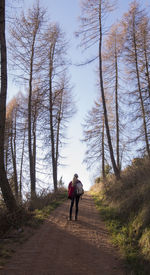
(144, 243)
(129, 198)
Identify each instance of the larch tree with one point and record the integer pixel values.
(92, 31)
(21, 163)
(132, 51)
(112, 71)
(25, 45)
(15, 132)
(4, 184)
(144, 34)
(94, 137)
(11, 139)
(58, 97)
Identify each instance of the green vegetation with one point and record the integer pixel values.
(125, 207)
(43, 210)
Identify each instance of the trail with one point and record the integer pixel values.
(62, 247)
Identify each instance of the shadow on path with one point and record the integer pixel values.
(61, 247)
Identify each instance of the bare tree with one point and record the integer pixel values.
(91, 31)
(25, 49)
(112, 70)
(11, 129)
(94, 137)
(5, 187)
(15, 132)
(132, 22)
(58, 100)
(144, 34)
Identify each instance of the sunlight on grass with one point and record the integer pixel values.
(124, 207)
(42, 214)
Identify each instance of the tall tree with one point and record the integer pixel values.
(15, 131)
(111, 67)
(132, 21)
(12, 121)
(25, 48)
(94, 137)
(4, 185)
(144, 35)
(58, 97)
(92, 29)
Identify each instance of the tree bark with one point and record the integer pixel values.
(147, 67)
(21, 167)
(13, 153)
(117, 112)
(31, 159)
(140, 93)
(4, 184)
(54, 163)
(115, 168)
(58, 125)
(103, 152)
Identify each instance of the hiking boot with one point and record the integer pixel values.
(69, 219)
(76, 218)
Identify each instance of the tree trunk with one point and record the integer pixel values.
(147, 66)
(34, 148)
(117, 112)
(140, 95)
(31, 159)
(115, 168)
(58, 126)
(103, 152)
(6, 150)
(4, 185)
(54, 163)
(13, 153)
(21, 166)
(53, 149)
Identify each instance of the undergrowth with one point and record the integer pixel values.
(124, 205)
(42, 205)
(120, 233)
(40, 214)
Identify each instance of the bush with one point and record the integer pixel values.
(13, 220)
(144, 243)
(44, 199)
(43, 202)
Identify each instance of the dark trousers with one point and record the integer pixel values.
(76, 199)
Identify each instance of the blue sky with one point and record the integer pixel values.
(66, 13)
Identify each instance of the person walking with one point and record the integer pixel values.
(75, 191)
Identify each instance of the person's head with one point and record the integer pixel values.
(75, 177)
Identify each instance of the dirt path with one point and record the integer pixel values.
(62, 247)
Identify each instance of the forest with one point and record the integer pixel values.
(33, 124)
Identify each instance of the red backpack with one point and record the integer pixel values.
(70, 190)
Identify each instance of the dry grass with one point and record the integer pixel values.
(9, 221)
(130, 197)
(132, 192)
(44, 199)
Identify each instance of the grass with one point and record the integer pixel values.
(123, 237)
(41, 214)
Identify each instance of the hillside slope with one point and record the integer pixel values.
(125, 205)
